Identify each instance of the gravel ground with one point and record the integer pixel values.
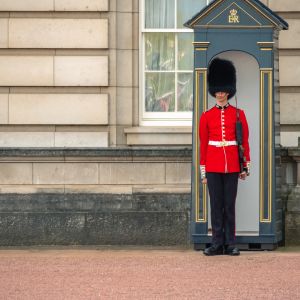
(147, 273)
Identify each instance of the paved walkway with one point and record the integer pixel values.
(147, 274)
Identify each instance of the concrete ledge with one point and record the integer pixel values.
(94, 189)
(159, 136)
(294, 151)
(124, 152)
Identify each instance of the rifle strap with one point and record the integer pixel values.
(237, 110)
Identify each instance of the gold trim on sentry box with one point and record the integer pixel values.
(266, 46)
(203, 218)
(269, 72)
(270, 44)
(232, 26)
(261, 12)
(201, 43)
(196, 20)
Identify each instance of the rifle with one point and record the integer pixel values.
(239, 138)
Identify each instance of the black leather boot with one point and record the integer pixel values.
(213, 250)
(232, 250)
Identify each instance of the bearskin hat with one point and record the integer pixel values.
(221, 77)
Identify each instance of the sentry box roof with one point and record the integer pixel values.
(237, 13)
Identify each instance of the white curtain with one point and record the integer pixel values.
(159, 13)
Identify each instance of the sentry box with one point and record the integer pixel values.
(245, 32)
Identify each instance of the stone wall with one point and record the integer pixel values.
(95, 196)
(291, 194)
(54, 77)
(137, 218)
(68, 90)
(289, 60)
(113, 196)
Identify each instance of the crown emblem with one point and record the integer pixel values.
(233, 12)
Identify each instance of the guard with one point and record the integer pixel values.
(224, 155)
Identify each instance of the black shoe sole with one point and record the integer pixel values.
(213, 254)
(232, 254)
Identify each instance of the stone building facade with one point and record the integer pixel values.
(78, 165)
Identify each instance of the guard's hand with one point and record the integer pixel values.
(243, 175)
(204, 180)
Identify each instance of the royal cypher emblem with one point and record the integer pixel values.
(233, 17)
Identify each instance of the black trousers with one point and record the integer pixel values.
(222, 191)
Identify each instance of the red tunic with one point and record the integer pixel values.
(216, 125)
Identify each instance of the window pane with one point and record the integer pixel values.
(186, 9)
(159, 13)
(160, 51)
(160, 92)
(185, 51)
(185, 92)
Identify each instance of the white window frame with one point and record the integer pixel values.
(160, 118)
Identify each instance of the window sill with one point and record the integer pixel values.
(159, 135)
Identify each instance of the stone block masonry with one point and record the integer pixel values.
(121, 196)
(94, 219)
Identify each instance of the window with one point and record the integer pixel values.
(167, 61)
